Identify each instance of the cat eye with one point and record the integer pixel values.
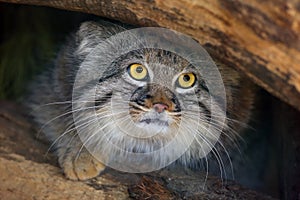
(138, 71)
(186, 80)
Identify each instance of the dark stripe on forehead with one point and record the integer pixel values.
(201, 85)
(132, 54)
(114, 70)
(108, 76)
(154, 55)
(168, 58)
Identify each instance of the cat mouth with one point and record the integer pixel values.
(155, 121)
(149, 118)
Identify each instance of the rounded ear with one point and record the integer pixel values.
(90, 30)
(98, 30)
(92, 33)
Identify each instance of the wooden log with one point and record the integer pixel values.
(26, 173)
(260, 39)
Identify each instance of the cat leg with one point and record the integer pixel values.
(79, 164)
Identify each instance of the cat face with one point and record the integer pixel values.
(148, 106)
(155, 87)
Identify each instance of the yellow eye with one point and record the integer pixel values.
(137, 71)
(186, 80)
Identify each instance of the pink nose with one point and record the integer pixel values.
(160, 107)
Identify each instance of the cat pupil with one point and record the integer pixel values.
(139, 69)
(186, 78)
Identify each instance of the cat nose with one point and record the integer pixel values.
(160, 107)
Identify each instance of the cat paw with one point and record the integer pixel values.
(83, 167)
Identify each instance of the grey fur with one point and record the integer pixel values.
(55, 88)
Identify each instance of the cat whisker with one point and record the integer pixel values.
(214, 150)
(72, 127)
(139, 107)
(61, 103)
(65, 114)
(68, 131)
(223, 132)
(91, 136)
(206, 161)
(79, 126)
(215, 153)
(174, 113)
(242, 124)
(219, 156)
(218, 125)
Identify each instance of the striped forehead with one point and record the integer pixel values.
(165, 58)
(164, 66)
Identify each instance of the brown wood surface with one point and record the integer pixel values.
(260, 38)
(27, 172)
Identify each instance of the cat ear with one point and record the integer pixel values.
(90, 30)
(88, 36)
(92, 33)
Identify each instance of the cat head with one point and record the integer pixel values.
(141, 101)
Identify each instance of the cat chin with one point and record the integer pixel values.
(154, 127)
(154, 123)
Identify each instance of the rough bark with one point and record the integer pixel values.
(260, 39)
(26, 173)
